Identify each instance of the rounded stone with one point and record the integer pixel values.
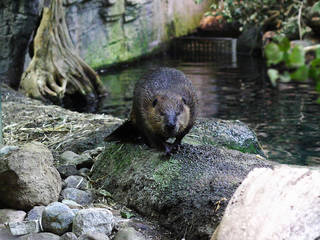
(93, 220)
(76, 182)
(57, 218)
(79, 196)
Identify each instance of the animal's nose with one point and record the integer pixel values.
(171, 122)
(170, 125)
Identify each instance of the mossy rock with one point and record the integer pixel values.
(232, 134)
(186, 193)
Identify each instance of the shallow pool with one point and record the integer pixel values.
(286, 118)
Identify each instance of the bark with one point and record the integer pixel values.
(55, 69)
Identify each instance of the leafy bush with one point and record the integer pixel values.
(268, 14)
(290, 63)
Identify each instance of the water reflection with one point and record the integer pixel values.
(286, 118)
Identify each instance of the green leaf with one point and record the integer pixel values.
(273, 54)
(318, 100)
(198, 1)
(318, 53)
(285, 77)
(273, 75)
(125, 214)
(105, 193)
(315, 8)
(284, 44)
(318, 86)
(296, 57)
(301, 74)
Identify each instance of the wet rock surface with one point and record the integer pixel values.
(189, 190)
(232, 134)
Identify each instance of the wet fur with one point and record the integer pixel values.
(159, 97)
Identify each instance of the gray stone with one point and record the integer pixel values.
(28, 177)
(84, 172)
(10, 215)
(18, 20)
(7, 149)
(279, 203)
(25, 227)
(232, 134)
(93, 220)
(71, 204)
(76, 182)
(69, 236)
(79, 196)
(40, 236)
(5, 234)
(129, 233)
(57, 218)
(71, 158)
(94, 236)
(189, 188)
(67, 170)
(35, 213)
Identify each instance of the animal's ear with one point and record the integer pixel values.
(154, 103)
(184, 100)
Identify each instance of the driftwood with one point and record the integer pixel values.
(55, 69)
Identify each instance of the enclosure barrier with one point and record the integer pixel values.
(204, 48)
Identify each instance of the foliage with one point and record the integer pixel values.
(291, 62)
(268, 14)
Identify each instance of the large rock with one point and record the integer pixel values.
(232, 134)
(18, 20)
(28, 178)
(279, 203)
(186, 193)
(108, 32)
(93, 220)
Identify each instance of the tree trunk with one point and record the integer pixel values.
(55, 69)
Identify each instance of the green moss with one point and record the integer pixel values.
(166, 173)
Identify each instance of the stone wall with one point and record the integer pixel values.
(18, 19)
(104, 32)
(112, 31)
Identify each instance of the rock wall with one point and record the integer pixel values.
(112, 31)
(18, 19)
(104, 32)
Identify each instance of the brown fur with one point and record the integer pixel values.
(164, 106)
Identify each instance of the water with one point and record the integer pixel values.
(286, 118)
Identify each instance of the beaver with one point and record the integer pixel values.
(164, 106)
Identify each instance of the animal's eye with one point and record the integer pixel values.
(154, 103)
(184, 100)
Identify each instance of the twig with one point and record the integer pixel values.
(299, 20)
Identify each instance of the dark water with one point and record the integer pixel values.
(286, 118)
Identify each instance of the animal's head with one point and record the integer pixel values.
(168, 114)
